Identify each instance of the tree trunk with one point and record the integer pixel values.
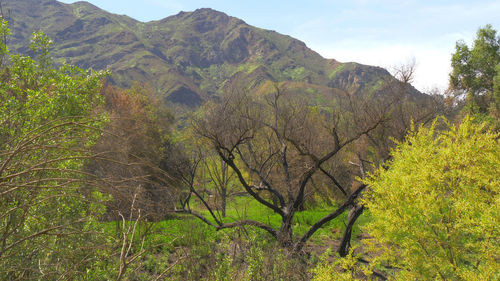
(345, 243)
(223, 203)
(285, 233)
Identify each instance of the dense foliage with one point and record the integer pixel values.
(435, 206)
(476, 72)
(187, 57)
(49, 118)
(97, 184)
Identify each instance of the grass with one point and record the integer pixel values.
(342, 67)
(188, 231)
(232, 254)
(373, 87)
(337, 70)
(295, 74)
(245, 207)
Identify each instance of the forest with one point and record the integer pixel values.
(101, 182)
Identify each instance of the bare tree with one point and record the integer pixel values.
(407, 106)
(279, 143)
(283, 144)
(405, 72)
(132, 146)
(220, 175)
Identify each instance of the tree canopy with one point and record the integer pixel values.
(49, 118)
(435, 206)
(476, 71)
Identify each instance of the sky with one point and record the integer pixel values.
(384, 33)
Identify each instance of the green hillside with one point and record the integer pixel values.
(186, 57)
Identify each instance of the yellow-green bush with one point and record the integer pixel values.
(435, 206)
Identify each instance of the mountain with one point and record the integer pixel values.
(186, 57)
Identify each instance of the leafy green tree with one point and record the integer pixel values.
(496, 92)
(474, 71)
(435, 210)
(49, 119)
(4, 33)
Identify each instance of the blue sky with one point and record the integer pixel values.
(378, 32)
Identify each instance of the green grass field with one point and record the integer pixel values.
(239, 252)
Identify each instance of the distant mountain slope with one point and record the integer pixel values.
(186, 57)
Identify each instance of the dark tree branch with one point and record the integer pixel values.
(206, 206)
(257, 224)
(193, 213)
(218, 227)
(345, 242)
(329, 217)
(272, 191)
(262, 177)
(332, 178)
(247, 187)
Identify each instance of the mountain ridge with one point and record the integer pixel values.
(192, 54)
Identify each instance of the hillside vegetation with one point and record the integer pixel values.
(250, 158)
(186, 57)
